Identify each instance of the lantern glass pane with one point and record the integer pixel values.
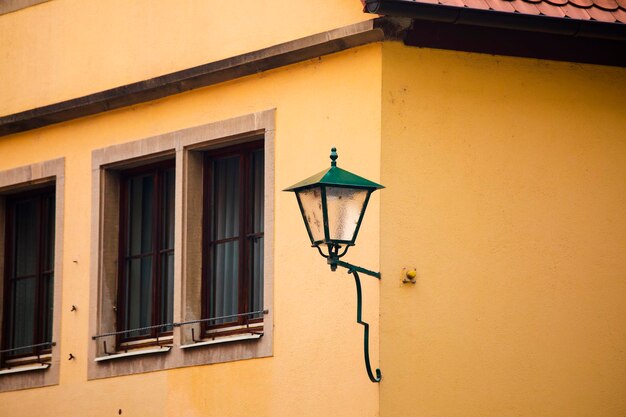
(344, 207)
(311, 200)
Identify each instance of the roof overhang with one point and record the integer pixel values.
(506, 33)
(415, 24)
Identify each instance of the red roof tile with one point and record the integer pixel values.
(582, 3)
(524, 7)
(557, 2)
(619, 15)
(574, 12)
(478, 4)
(606, 4)
(601, 15)
(548, 9)
(457, 3)
(501, 6)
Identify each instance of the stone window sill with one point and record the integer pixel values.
(26, 368)
(225, 339)
(162, 349)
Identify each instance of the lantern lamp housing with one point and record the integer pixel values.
(333, 203)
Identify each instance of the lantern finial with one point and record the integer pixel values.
(333, 157)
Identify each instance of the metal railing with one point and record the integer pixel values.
(178, 324)
(28, 346)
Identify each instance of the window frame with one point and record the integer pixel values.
(157, 170)
(13, 181)
(41, 195)
(244, 151)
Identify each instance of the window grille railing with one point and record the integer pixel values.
(37, 352)
(28, 346)
(174, 324)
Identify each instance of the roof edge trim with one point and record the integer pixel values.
(238, 66)
(496, 19)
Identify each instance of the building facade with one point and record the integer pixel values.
(151, 264)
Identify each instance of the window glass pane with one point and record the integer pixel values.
(168, 210)
(224, 292)
(26, 242)
(49, 233)
(256, 284)
(23, 314)
(30, 287)
(139, 295)
(226, 198)
(257, 191)
(149, 274)
(167, 290)
(48, 277)
(255, 250)
(167, 259)
(231, 291)
(140, 212)
(47, 304)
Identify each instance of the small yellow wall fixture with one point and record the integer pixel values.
(333, 203)
(409, 275)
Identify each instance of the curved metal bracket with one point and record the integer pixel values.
(366, 331)
(354, 270)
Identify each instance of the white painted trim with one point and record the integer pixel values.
(163, 349)
(38, 367)
(224, 339)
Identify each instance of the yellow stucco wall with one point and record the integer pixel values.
(317, 365)
(506, 188)
(64, 49)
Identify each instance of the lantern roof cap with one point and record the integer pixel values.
(335, 176)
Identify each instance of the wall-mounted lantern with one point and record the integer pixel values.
(333, 203)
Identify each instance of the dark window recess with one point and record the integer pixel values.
(233, 237)
(29, 276)
(146, 267)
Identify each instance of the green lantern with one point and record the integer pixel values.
(332, 203)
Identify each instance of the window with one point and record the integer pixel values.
(233, 239)
(29, 277)
(182, 266)
(31, 246)
(146, 253)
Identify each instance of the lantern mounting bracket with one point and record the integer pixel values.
(334, 263)
(354, 270)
